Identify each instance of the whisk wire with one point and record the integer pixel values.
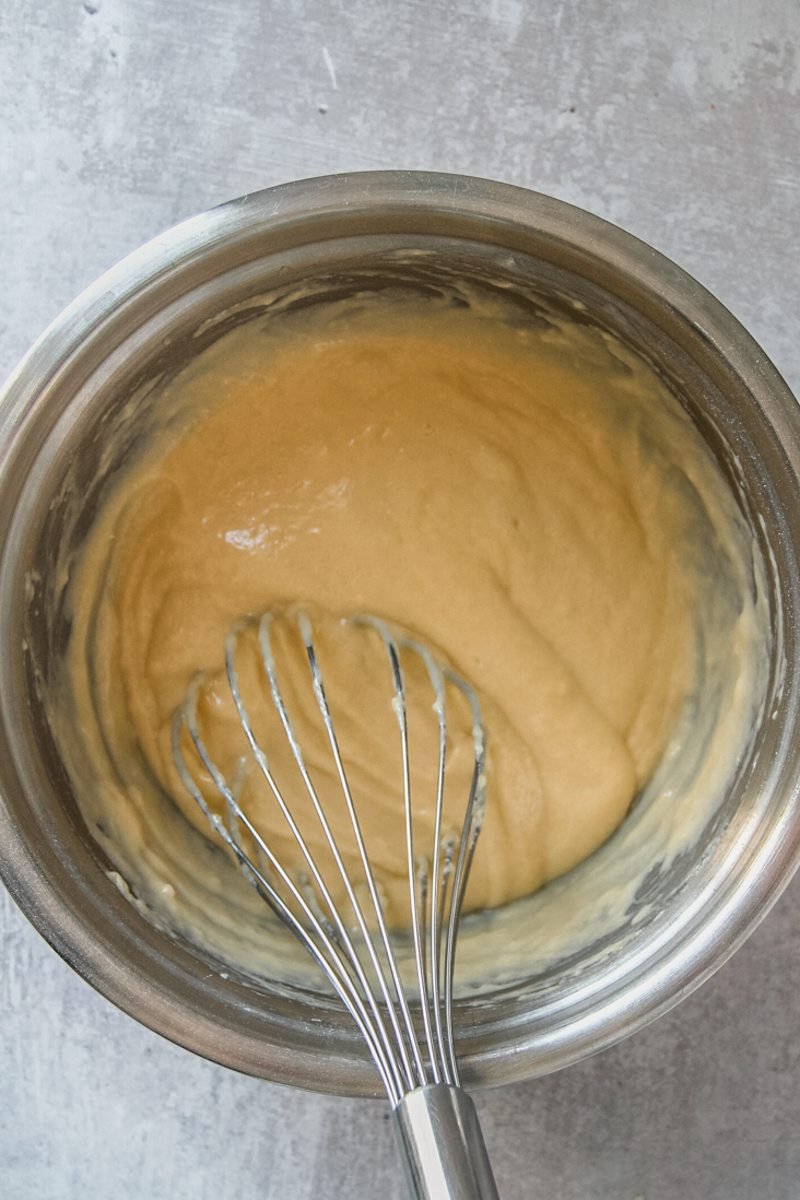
(407, 1038)
(334, 966)
(417, 916)
(473, 820)
(267, 660)
(440, 1064)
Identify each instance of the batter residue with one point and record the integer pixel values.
(529, 500)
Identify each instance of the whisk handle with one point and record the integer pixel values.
(442, 1146)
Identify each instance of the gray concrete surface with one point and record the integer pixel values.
(679, 120)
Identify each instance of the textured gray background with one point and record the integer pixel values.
(679, 120)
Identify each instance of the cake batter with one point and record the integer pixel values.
(530, 501)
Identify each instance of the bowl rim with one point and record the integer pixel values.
(732, 913)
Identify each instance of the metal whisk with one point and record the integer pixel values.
(440, 1138)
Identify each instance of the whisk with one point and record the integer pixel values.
(407, 1028)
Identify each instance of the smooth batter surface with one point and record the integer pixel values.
(525, 497)
(530, 501)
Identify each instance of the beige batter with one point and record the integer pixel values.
(531, 502)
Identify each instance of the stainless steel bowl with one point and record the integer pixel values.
(146, 316)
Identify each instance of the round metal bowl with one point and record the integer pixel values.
(147, 315)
